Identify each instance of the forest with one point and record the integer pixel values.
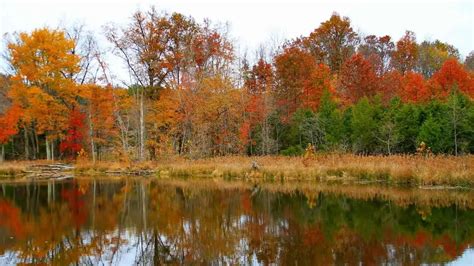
(191, 92)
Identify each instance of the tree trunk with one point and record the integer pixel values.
(13, 147)
(48, 151)
(27, 150)
(52, 150)
(91, 135)
(2, 154)
(37, 145)
(142, 129)
(33, 143)
(389, 147)
(455, 127)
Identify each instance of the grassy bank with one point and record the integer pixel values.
(399, 170)
(12, 169)
(406, 170)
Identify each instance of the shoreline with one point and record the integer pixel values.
(436, 172)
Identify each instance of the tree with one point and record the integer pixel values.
(331, 124)
(378, 51)
(165, 117)
(101, 111)
(357, 80)
(43, 59)
(408, 118)
(389, 85)
(432, 55)
(73, 141)
(5, 102)
(150, 50)
(259, 105)
(304, 129)
(452, 75)
(293, 68)
(318, 82)
(461, 120)
(167, 51)
(332, 42)
(216, 118)
(41, 85)
(300, 82)
(436, 130)
(469, 61)
(405, 57)
(387, 132)
(414, 88)
(47, 116)
(8, 126)
(91, 61)
(364, 124)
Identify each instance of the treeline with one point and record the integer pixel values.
(189, 93)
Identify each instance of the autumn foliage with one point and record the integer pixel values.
(9, 123)
(73, 142)
(189, 93)
(452, 75)
(414, 88)
(357, 79)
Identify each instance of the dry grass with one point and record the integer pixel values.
(87, 167)
(397, 169)
(411, 170)
(14, 168)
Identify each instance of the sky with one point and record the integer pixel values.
(254, 22)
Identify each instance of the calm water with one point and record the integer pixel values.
(125, 222)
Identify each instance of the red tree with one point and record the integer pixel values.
(314, 86)
(389, 85)
(357, 79)
(300, 81)
(414, 88)
(8, 127)
(8, 123)
(452, 74)
(72, 144)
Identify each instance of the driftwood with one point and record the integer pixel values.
(59, 171)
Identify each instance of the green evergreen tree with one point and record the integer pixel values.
(436, 130)
(364, 125)
(408, 120)
(387, 133)
(460, 110)
(331, 123)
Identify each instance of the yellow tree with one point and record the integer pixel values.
(217, 117)
(42, 83)
(164, 117)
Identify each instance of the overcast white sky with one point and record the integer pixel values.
(255, 21)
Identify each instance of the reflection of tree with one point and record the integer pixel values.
(91, 222)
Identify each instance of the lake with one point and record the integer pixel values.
(126, 221)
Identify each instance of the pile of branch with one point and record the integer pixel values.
(50, 171)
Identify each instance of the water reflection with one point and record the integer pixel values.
(129, 221)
